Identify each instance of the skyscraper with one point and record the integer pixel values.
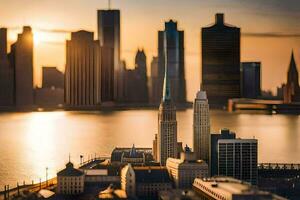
(6, 73)
(21, 58)
(213, 154)
(238, 158)
(82, 75)
(111, 70)
(250, 83)
(156, 82)
(221, 62)
(173, 40)
(201, 125)
(167, 123)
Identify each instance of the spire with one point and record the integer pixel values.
(166, 89)
(293, 72)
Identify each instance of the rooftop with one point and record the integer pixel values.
(151, 174)
(70, 171)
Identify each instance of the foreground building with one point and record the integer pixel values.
(221, 62)
(183, 171)
(225, 188)
(201, 126)
(144, 182)
(82, 74)
(238, 158)
(70, 181)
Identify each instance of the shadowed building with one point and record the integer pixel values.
(6, 73)
(82, 75)
(135, 84)
(201, 126)
(250, 82)
(291, 90)
(221, 62)
(173, 40)
(21, 59)
(167, 123)
(111, 70)
(52, 77)
(156, 82)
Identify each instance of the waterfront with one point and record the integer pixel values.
(30, 142)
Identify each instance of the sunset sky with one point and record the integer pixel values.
(275, 24)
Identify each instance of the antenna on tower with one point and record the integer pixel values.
(109, 4)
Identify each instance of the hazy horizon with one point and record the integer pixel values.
(270, 30)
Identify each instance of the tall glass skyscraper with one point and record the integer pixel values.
(221, 62)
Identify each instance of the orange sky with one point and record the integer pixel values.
(141, 19)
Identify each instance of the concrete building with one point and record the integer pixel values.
(21, 59)
(82, 74)
(171, 54)
(250, 79)
(144, 182)
(183, 171)
(221, 62)
(167, 123)
(225, 188)
(133, 155)
(111, 70)
(201, 126)
(291, 90)
(178, 194)
(213, 154)
(238, 158)
(6, 74)
(70, 181)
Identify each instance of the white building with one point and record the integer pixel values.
(225, 188)
(201, 126)
(183, 171)
(70, 180)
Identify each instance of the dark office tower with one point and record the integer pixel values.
(109, 38)
(213, 154)
(52, 78)
(238, 158)
(173, 40)
(167, 123)
(141, 76)
(250, 82)
(6, 73)
(21, 58)
(82, 75)
(156, 82)
(221, 62)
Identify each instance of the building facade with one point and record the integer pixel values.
(82, 74)
(111, 70)
(6, 73)
(167, 123)
(21, 59)
(52, 77)
(156, 82)
(70, 181)
(250, 79)
(183, 171)
(221, 62)
(213, 154)
(238, 158)
(171, 40)
(201, 127)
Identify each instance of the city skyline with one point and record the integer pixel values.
(273, 39)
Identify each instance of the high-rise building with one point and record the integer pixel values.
(213, 154)
(291, 90)
(82, 75)
(111, 70)
(21, 59)
(238, 158)
(221, 62)
(173, 40)
(6, 73)
(52, 77)
(167, 123)
(201, 126)
(250, 79)
(156, 82)
(184, 170)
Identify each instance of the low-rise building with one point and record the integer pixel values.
(70, 181)
(144, 182)
(226, 188)
(183, 171)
